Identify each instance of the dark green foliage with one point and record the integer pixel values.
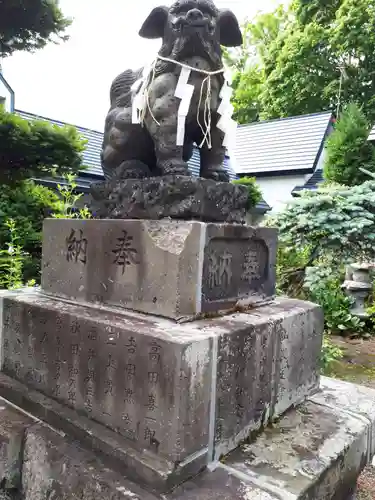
(36, 149)
(323, 283)
(348, 149)
(255, 194)
(335, 220)
(30, 24)
(290, 63)
(248, 63)
(27, 204)
(319, 232)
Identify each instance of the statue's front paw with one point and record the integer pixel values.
(216, 174)
(175, 167)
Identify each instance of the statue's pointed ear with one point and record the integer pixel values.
(230, 33)
(154, 25)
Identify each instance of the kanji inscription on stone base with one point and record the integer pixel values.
(232, 267)
(113, 375)
(169, 268)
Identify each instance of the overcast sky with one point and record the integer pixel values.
(70, 82)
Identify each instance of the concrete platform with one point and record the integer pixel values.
(315, 452)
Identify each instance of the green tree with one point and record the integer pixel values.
(246, 63)
(26, 204)
(306, 59)
(348, 149)
(336, 221)
(37, 149)
(325, 55)
(30, 25)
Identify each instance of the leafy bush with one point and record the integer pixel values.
(68, 200)
(27, 204)
(348, 149)
(255, 194)
(318, 233)
(37, 149)
(330, 353)
(11, 259)
(290, 270)
(337, 221)
(324, 288)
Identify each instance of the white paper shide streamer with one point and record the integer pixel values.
(185, 91)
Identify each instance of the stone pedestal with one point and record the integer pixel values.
(170, 268)
(157, 343)
(183, 394)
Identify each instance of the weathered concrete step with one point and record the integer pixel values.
(315, 452)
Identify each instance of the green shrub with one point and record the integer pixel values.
(37, 149)
(324, 288)
(66, 207)
(290, 270)
(255, 194)
(329, 353)
(11, 259)
(27, 204)
(348, 149)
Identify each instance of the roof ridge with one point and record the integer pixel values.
(286, 118)
(51, 120)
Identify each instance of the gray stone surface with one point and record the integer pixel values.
(55, 468)
(143, 467)
(13, 425)
(267, 370)
(170, 268)
(220, 485)
(183, 198)
(174, 392)
(315, 451)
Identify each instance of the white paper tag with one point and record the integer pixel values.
(136, 85)
(187, 94)
(373, 461)
(226, 92)
(225, 108)
(180, 138)
(138, 103)
(230, 134)
(182, 82)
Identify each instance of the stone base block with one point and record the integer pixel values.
(168, 268)
(178, 394)
(315, 452)
(177, 197)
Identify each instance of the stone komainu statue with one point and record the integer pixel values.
(154, 122)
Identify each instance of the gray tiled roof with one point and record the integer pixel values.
(287, 144)
(312, 184)
(91, 155)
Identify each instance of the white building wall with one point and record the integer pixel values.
(5, 94)
(277, 190)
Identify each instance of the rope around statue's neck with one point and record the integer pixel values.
(192, 68)
(185, 92)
